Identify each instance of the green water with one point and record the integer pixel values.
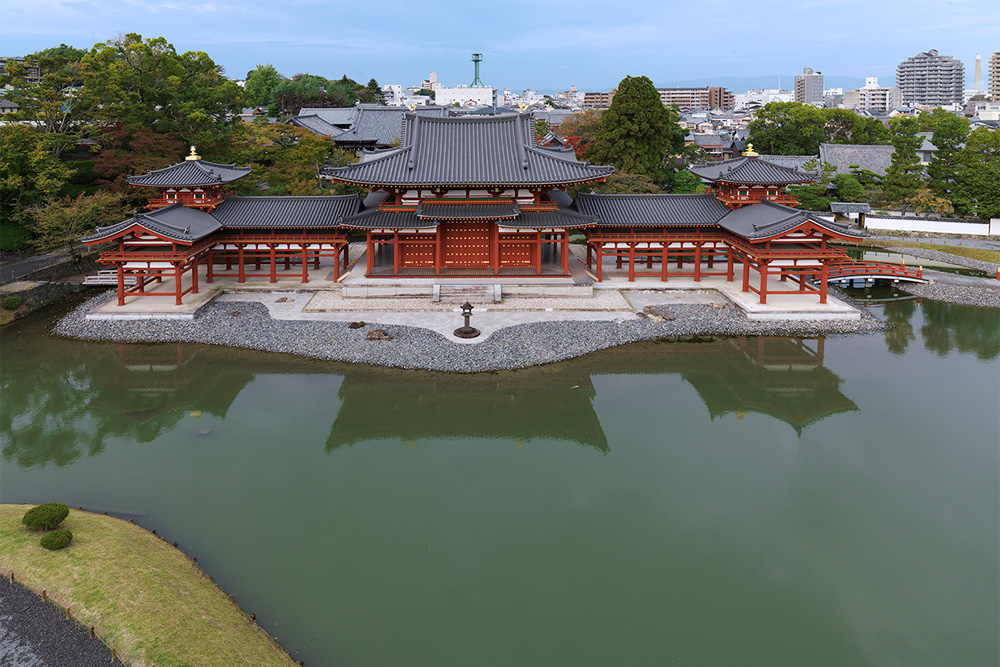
(739, 502)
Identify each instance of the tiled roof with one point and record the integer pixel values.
(338, 116)
(380, 125)
(652, 210)
(561, 219)
(376, 219)
(768, 218)
(316, 125)
(750, 169)
(191, 173)
(849, 207)
(177, 222)
(282, 212)
(450, 211)
(790, 161)
(475, 150)
(873, 158)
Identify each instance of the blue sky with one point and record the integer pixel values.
(545, 45)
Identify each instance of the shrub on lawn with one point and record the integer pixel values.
(45, 517)
(11, 302)
(57, 539)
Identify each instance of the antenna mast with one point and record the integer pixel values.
(477, 82)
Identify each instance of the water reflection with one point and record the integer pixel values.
(946, 327)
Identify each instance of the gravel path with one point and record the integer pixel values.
(37, 634)
(248, 325)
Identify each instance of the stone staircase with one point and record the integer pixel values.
(471, 293)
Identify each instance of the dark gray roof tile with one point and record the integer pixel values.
(190, 173)
(767, 219)
(752, 170)
(455, 211)
(176, 222)
(873, 158)
(319, 212)
(652, 210)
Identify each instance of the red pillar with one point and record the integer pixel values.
(538, 251)
(242, 263)
(495, 248)
(397, 255)
(664, 260)
(590, 258)
(730, 269)
(209, 275)
(121, 283)
(194, 276)
(746, 275)
(305, 262)
(438, 251)
(631, 262)
(697, 262)
(274, 263)
(823, 275)
(177, 277)
(565, 252)
(763, 282)
(370, 254)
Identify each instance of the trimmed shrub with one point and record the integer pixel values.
(57, 539)
(14, 237)
(11, 302)
(45, 517)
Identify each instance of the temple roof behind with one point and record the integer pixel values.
(751, 170)
(649, 210)
(176, 222)
(874, 158)
(316, 125)
(475, 150)
(190, 173)
(380, 125)
(267, 212)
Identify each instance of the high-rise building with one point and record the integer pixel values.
(872, 96)
(995, 76)
(708, 97)
(598, 100)
(809, 87)
(928, 79)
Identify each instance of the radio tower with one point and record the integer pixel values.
(477, 82)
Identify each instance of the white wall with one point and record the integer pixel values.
(890, 223)
(447, 96)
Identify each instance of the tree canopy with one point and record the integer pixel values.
(903, 177)
(636, 132)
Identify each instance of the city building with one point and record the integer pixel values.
(994, 88)
(709, 97)
(809, 87)
(930, 80)
(872, 96)
(464, 96)
(599, 100)
(32, 73)
(754, 99)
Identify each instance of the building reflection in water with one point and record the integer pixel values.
(74, 402)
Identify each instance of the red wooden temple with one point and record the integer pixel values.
(476, 197)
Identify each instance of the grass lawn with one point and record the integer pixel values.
(961, 251)
(145, 598)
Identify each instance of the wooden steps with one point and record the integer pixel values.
(470, 293)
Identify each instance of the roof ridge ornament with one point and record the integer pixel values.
(749, 152)
(194, 155)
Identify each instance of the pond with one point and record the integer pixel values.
(751, 501)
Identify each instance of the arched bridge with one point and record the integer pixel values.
(861, 270)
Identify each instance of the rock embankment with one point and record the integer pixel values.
(248, 325)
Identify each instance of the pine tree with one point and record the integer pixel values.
(903, 177)
(636, 132)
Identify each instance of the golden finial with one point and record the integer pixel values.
(749, 152)
(193, 156)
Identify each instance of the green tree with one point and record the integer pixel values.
(146, 83)
(787, 128)
(977, 187)
(949, 135)
(903, 177)
(58, 105)
(684, 182)
(62, 222)
(621, 183)
(844, 126)
(541, 127)
(636, 132)
(815, 196)
(372, 93)
(849, 189)
(260, 84)
(29, 173)
(925, 200)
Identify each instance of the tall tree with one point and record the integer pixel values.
(949, 135)
(260, 84)
(815, 196)
(29, 173)
(372, 93)
(977, 188)
(583, 127)
(58, 105)
(787, 128)
(61, 223)
(903, 177)
(635, 132)
(844, 126)
(146, 83)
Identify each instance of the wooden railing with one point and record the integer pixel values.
(886, 269)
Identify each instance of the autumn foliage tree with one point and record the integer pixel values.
(61, 223)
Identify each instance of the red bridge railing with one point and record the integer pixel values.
(878, 269)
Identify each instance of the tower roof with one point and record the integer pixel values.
(190, 173)
(751, 170)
